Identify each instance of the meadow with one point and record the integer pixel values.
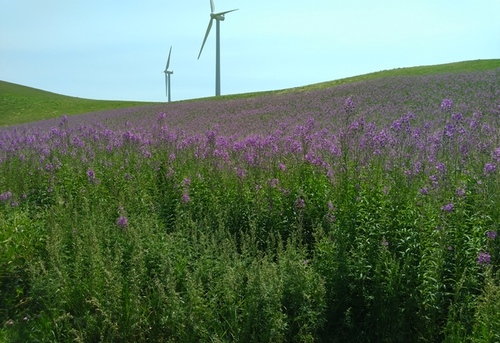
(361, 211)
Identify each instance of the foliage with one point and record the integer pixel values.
(367, 212)
(20, 104)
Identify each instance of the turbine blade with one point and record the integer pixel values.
(168, 60)
(206, 36)
(212, 5)
(222, 13)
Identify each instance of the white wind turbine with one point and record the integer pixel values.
(167, 76)
(218, 17)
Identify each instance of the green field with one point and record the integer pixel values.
(359, 210)
(21, 104)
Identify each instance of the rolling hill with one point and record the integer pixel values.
(20, 104)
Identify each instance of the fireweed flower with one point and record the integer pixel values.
(122, 222)
(447, 208)
(489, 168)
(460, 192)
(483, 258)
(446, 105)
(161, 116)
(457, 116)
(241, 173)
(441, 167)
(496, 154)
(64, 121)
(273, 183)
(91, 175)
(491, 234)
(348, 106)
(185, 198)
(300, 204)
(5, 196)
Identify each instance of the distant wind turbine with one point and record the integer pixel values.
(218, 17)
(167, 76)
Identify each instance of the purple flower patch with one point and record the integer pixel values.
(122, 222)
(446, 105)
(491, 234)
(489, 168)
(447, 208)
(483, 258)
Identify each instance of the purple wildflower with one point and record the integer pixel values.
(489, 168)
(241, 173)
(460, 192)
(424, 191)
(185, 198)
(348, 105)
(449, 130)
(457, 116)
(90, 175)
(446, 105)
(161, 116)
(496, 154)
(273, 183)
(447, 208)
(64, 121)
(491, 234)
(122, 222)
(384, 243)
(186, 182)
(5, 196)
(441, 167)
(299, 203)
(483, 258)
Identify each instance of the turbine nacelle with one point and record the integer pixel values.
(218, 17)
(167, 75)
(213, 16)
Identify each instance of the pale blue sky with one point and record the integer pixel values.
(104, 49)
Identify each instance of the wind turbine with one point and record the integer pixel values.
(167, 76)
(218, 17)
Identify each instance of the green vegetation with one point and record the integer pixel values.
(20, 104)
(334, 227)
(457, 67)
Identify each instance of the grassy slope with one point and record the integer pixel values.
(457, 67)
(20, 104)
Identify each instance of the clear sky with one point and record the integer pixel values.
(117, 50)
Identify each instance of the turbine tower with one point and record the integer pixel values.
(167, 76)
(218, 17)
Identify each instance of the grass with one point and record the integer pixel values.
(357, 214)
(20, 104)
(456, 67)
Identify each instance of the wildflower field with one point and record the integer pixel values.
(364, 212)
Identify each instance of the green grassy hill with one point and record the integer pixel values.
(21, 104)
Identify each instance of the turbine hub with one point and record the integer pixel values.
(217, 16)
